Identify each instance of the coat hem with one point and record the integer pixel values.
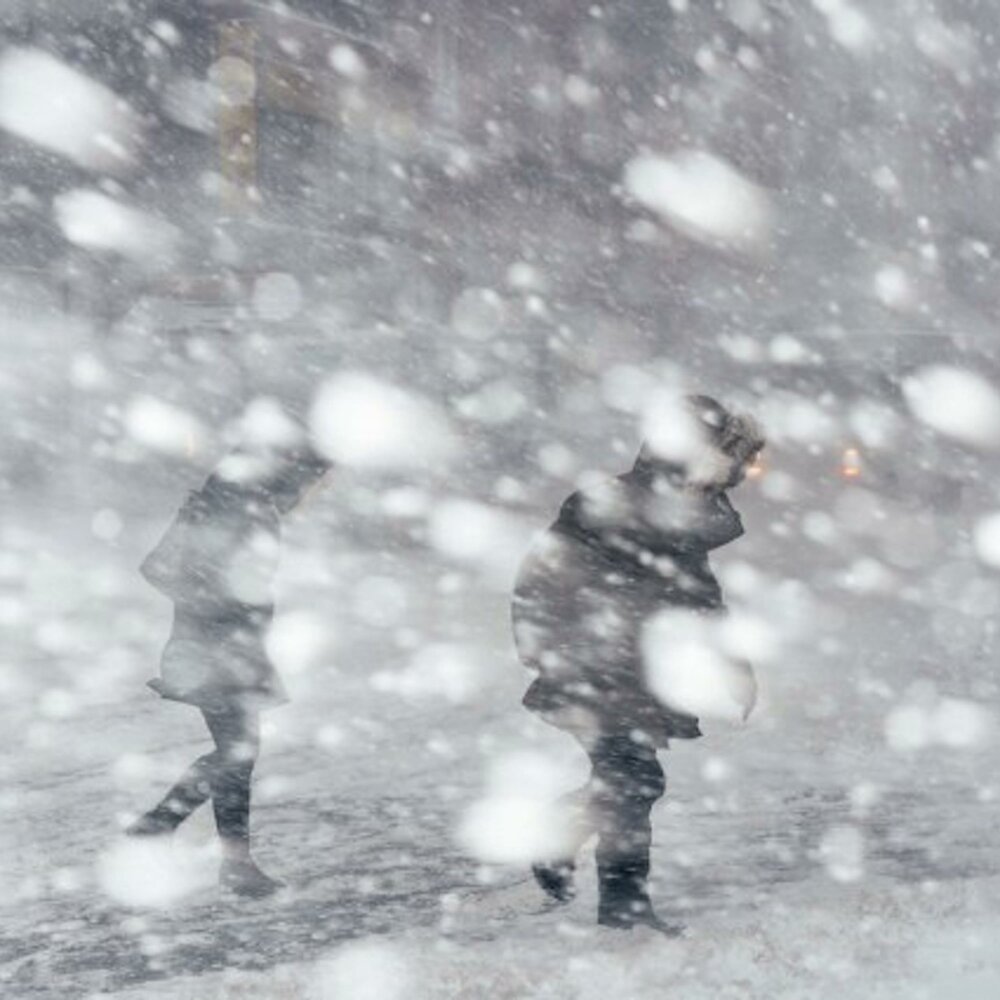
(219, 699)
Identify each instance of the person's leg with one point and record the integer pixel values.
(555, 876)
(627, 782)
(237, 738)
(237, 735)
(192, 790)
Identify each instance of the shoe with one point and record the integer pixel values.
(243, 878)
(556, 879)
(639, 914)
(151, 824)
(623, 895)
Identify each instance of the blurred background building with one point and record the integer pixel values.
(440, 194)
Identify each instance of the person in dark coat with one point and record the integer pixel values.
(615, 555)
(217, 563)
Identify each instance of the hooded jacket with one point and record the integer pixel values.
(614, 556)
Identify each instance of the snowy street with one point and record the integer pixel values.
(361, 791)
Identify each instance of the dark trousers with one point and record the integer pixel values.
(625, 784)
(224, 776)
(616, 804)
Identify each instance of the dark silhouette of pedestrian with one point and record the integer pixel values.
(635, 545)
(217, 563)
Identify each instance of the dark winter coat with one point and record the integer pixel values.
(217, 563)
(614, 556)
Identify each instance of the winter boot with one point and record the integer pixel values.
(624, 900)
(240, 875)
(556, 879)
(642, 916)
(244, 878)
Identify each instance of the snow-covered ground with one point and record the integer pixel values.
(831, 847)
(884, 939)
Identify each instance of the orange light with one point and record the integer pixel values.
(850, 463)
(755, 469)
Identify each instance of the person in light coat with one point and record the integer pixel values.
(217, 563)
